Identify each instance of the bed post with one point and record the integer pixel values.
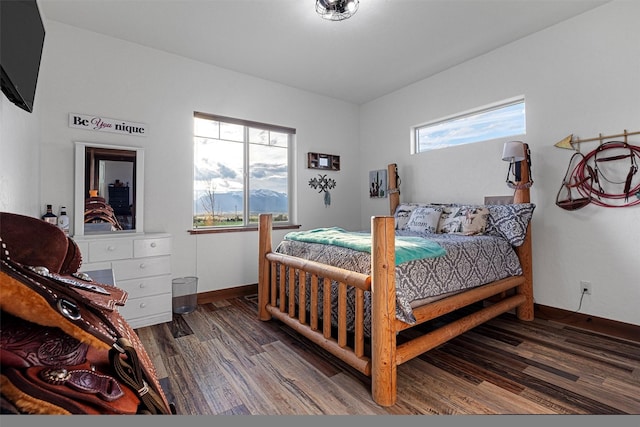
(524, 251)
(394, 187)
(264, 231)
(383, 297)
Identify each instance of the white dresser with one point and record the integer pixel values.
(141, 265)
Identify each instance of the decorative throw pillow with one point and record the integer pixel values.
(424, 219)
(402, 214)
(450, 220)
(474, 220)
(510, 221)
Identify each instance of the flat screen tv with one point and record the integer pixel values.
(21, 41)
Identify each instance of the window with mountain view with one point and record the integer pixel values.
(500, 120)
(241, 169)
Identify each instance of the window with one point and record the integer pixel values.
(500, 120)
(241, 169)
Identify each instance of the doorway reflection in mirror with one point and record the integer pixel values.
(110, 188)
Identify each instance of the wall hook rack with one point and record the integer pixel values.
(569, 141)
(607, 180)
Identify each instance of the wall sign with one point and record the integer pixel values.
(104, 124)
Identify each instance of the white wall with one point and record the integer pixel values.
(20, 159)
(88, 73)
(580, 77)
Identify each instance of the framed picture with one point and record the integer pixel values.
(378, 184)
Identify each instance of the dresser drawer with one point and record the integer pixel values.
(151, 247)
(146, 286)
(140, 264)
(142, 267)
(108, 250)
(88, 267)
(146, 306)
(141, 322)
(101, 275)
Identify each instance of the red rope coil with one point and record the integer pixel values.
(587, 187)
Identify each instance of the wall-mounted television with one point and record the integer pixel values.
(21, 42)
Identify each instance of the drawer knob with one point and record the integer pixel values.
(141, 285)
(153, 244)
(143, 265)
(143, 304)
(111, 248)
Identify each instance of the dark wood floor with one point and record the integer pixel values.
(220, 359)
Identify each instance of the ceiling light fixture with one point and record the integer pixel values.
(337, 10)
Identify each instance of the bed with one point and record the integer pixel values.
(372, 300)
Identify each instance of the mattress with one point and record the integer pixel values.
(470, 261)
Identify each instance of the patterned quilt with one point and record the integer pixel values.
(470, 261)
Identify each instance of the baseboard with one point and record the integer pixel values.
(610, 327)
(221, 294)
(579, 320)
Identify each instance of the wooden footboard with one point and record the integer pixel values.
(282, 277)
(282, 294)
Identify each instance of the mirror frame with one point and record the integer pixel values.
(79, 199)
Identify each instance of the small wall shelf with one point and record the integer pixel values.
(323, 161)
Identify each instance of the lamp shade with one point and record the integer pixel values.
(513, 151)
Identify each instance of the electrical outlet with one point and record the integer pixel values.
(585, 287)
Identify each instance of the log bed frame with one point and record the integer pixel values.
(385, 354)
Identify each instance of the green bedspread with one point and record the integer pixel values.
(408, 248)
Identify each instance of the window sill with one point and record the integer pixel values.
(239, 229)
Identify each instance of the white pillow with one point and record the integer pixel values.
(424, 220)
(474, 220)
(403, 213)
(450, 220)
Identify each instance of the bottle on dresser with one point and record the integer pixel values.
(63, 220)
(50, 217)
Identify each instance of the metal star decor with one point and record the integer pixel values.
(324, 184)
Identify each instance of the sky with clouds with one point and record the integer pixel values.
(496, 123)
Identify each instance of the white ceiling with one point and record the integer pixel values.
(386, 45)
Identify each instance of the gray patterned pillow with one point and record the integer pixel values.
(510, 221)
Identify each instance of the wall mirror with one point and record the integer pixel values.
(109, 189)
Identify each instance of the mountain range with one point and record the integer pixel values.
(260, 201)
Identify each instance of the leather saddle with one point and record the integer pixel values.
(64, 347)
